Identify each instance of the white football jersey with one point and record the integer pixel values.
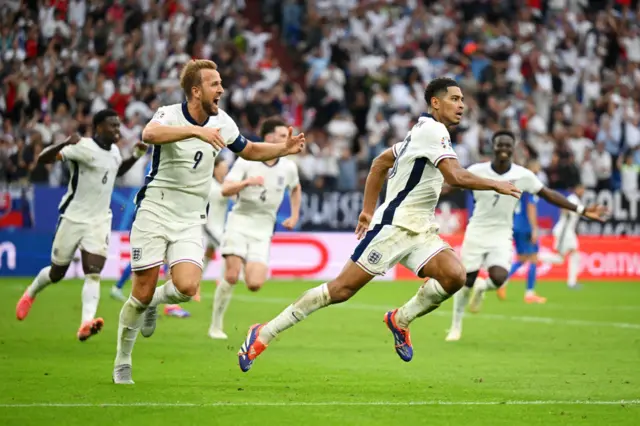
(256, 207)
(568, 220)
(177, 186)
(493, 212)
(93, 174)
(218, 206)
(414, 183)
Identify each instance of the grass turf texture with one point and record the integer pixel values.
(527, 363)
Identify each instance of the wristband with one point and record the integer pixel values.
(580, 209)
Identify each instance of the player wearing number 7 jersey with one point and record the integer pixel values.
(488, 239)
(85, 215)
(172, 205)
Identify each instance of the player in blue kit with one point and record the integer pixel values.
(116, 290)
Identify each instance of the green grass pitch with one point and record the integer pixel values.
(573, 361)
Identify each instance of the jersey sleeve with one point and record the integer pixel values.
(164, 116)
(396, 148)
(434, 142)
(531, 183)
(237, 172)
(231, 135)
(77, 152)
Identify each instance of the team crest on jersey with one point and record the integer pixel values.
(136, 254)
(374, 257)
(158, 115)
(445, 142)
(280, 180)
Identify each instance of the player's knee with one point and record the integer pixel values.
(338, 292)
(254, 286)
(92, 269)
(187, 285)
(470, 279)
(455, 279)
(254, 283)
(498, 277)
(231, 276)
(57, 273)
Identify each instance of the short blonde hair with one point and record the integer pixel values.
(190, 75)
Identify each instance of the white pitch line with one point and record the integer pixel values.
(318, 404)
(447, 313)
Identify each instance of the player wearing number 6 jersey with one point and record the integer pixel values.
(260, 188)
(85, 215)
(172, 205)
(402, 230)
(488, 239)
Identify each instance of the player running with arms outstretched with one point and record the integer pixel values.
(488, 238)
(402, 230)
(85, 215)
(172, 206)
(260, 188)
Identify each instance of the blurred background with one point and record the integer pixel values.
(563, 75)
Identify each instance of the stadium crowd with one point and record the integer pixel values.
(564, 75)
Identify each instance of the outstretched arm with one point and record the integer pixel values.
(557, 199)
(456, 175)
(264, 151)
(595, 212)
(52, 152)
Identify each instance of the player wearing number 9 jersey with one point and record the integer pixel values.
(85, 214)
(488, 238)
(172, 205)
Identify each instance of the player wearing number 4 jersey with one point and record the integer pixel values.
(402, 230)
(85, 216)
(172, 205)
(260, 188)
(488, 239)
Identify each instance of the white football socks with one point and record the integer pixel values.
(41, 281)
(428, 298)
(460, 302)
(128, 327)
(309, 302)
(574, 267)
(168, 294)
(221, 301)
(90, 297)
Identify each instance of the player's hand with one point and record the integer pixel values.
(140, 149)
(294, 143)
(290, 223)
(363, 224)
(211, 136)
(507, 188)
(73, 139)
(596, 212)
(255, 181)
(534, 236)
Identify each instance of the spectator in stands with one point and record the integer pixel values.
(603, 165)
(540, 71)
(629, 173)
